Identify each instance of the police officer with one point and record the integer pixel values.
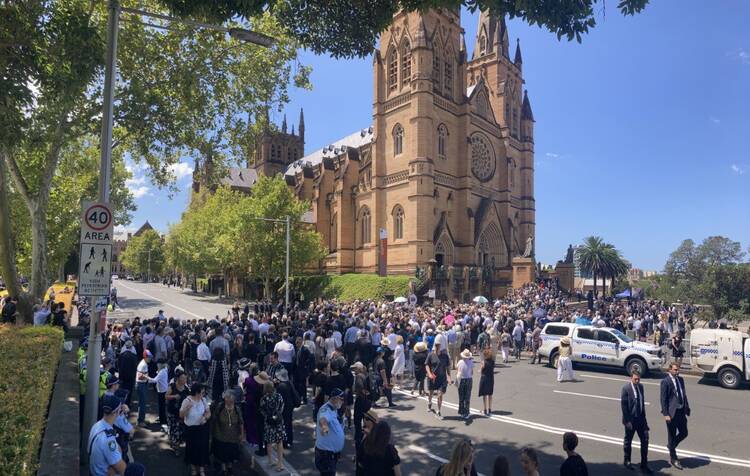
(104, 452)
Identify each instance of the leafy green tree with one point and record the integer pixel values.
(144, 254)
(601, 260)
(346, 28)
(727, 288)
(181, 93)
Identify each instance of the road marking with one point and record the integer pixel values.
(437, 458)
(591, 396)
(165, 303)
(617, 379)
(600, 438)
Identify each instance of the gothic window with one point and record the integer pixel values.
(482, 105)
(512, 124)
(365, 223)
(516, 121)
(398, 139)
(334, 233)
(512, 172)
(448, 78)
(392, 70)
(507, 110)
(405, 63)
(398, 223)
(442, 139)
(482, 45)
(436, 62)
(290, 155)
(482, 158)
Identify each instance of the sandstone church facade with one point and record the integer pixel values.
(446, 169)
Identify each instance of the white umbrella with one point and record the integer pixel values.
(401, 300)
(480, 300)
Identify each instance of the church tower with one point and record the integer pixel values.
(277, 148)
(504, 77)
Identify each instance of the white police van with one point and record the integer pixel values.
(600, 346)
(722, 353)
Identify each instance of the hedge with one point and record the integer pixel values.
(348, 287)
(27, 375)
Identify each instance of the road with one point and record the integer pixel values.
(530, 409)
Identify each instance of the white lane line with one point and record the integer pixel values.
(600, 438)
(617, 379)
(165, 303)
(437, 458)
(592, 396)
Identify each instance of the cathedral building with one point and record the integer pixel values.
(443, 178)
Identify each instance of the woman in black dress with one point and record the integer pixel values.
(487, 380)
(420, 357)
(377, 456)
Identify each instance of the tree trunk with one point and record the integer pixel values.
(594, 285)
(39, 275)
(267, 287)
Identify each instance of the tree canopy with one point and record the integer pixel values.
(601, 259)
(346, 28)
(144, 254)
(228, 230)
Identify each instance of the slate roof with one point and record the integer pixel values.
(355, 139)
(240, 177)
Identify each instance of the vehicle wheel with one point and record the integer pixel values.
(729, 378)
(636, 364)
(553, 357)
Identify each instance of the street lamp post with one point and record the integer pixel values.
(93, 359)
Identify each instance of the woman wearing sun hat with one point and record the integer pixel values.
(420, 357)
(464, 379)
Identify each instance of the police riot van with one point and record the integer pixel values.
(722, 353)
(600, 346)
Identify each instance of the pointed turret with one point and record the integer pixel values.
(526, 113)
(283, 125)
(462, 49)
(518, 60)
(501, 39)
(292, 129)
(302, 124)
(420, 37)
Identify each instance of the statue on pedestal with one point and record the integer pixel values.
(569, 255)
(529, 251)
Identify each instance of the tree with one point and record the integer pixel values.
(144, 254)
(601, 259)
(346, 28)
(180, 92)
(719, 250)
(727, 288)
(226, 231)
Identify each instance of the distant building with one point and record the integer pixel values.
(119, 245)
(635, 274)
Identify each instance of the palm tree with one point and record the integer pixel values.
(600, 259)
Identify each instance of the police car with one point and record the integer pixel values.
(600, 346)
(723, 354)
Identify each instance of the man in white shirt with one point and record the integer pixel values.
(263, 327)
(204, 355)
(285, 351)
(141, 385)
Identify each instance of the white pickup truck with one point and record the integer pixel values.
(600, 346)
(722, 353)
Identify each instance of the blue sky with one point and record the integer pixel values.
(642, 132)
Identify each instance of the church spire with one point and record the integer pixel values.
(518, 60)
(283, 125)
(526, 113)
(302, 124)
(420, 38)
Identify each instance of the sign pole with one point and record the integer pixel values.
(286, 286)
(93, 359)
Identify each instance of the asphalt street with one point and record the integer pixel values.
(530, 409)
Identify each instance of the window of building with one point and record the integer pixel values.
(448, 79)
(290, 155)
(436, 62)
(442, 139)
(393, 70)
(398, 139)
(398, 223)
(507, 110)
(334, 233)
(482, 45)
(405, 63)
(366, 225)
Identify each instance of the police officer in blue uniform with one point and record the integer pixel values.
(104, 452)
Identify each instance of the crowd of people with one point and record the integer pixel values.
(228, 383)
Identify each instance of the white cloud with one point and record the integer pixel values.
(738, 169)
(740, 54)
(134, 168)
(181, 170)
(715, 120)
(135, 181)
(139, 192)
(552, 155)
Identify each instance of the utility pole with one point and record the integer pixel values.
(93, 359)
(286, 286)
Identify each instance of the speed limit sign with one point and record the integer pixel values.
(96, 250)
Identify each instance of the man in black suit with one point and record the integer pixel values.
(632, 401)
(676, 409)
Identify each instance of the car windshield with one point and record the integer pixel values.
(621, 336)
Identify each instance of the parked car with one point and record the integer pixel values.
(129, 277)
(722, 354)
(114, 276)
(602, 346)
